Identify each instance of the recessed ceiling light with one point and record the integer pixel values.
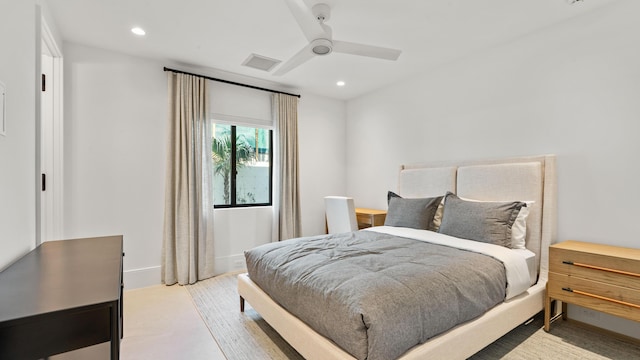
(138, 31)
(340, 83)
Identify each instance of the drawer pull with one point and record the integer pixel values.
(600, 268)
(601, 297)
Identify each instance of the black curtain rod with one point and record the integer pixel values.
(229, 82)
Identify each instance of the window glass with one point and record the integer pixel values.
(243, 179)
(221, 154)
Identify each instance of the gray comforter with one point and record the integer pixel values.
(376, 295)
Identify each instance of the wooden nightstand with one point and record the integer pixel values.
(600, 277)
(370, 217)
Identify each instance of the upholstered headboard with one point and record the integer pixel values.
(522, 179)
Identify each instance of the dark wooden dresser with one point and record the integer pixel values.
(62, 296)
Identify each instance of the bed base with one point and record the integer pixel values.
(465, 339)
(458, 343)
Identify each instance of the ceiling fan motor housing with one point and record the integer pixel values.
(321, 46)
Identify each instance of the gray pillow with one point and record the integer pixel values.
(411, 213)
(489, 222)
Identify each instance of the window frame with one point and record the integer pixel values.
(234, 172)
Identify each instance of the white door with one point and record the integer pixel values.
(51, 135)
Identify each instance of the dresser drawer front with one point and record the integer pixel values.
(367, 220)
(557, 257)
(559, 281)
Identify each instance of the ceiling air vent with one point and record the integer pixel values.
(260, 62)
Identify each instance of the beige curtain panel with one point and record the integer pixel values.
(287, 222)
(187, 251)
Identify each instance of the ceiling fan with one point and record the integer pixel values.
(312, 24)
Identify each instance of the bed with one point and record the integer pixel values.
(529, 180)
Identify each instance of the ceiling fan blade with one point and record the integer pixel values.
(305, 18)
(365, 50)
(298, 59)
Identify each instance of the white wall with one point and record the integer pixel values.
(115, 126)
(17, 149)
(571, 89)
(322, 137)
(115, 135)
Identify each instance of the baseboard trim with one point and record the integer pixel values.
(143, 277)
(150, 276)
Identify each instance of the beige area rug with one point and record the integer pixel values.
(239, 335)
(247, 336)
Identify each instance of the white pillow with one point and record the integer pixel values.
(437, 218)
(518, 230)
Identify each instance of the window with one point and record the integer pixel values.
(242, 160)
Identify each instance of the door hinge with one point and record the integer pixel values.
(44, 82)
(44, 182)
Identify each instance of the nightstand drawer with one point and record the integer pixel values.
(595, 295)
(365, 219)
(601, 277)
(607, 268)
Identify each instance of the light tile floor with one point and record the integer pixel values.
(161, 322)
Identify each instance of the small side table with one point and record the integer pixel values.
(596, 276)
(370, 217)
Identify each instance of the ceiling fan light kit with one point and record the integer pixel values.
(320, 37)
(321, 46)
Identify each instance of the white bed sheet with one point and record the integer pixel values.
(530, 257)
(517, 271)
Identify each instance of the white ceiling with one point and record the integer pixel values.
(221, 34)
